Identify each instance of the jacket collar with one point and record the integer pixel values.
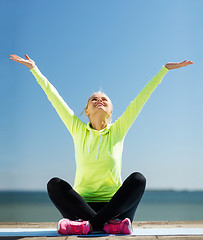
(99, 132)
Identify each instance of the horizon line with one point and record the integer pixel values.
(147, 190)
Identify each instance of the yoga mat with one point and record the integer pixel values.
(49, 232)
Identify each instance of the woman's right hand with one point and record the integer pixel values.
(28, 62)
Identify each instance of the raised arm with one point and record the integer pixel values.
(63, 110)
(128, 117)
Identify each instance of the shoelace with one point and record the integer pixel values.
(78, 229)
(115, 228)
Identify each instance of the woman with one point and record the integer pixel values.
(99, 199)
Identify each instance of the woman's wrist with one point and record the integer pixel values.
(166, 66)
(32, 66)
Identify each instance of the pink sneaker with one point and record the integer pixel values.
(118, 226)
(66, 227)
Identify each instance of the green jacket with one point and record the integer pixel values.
(98, 154)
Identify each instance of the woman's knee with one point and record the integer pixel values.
(58, 184)
(138, 179)
(52, 184)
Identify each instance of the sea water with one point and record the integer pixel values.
(154, 206)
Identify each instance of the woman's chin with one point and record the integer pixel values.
(101, 110)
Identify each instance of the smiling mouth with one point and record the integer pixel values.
(99, 104)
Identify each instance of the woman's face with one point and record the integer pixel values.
(99, 103)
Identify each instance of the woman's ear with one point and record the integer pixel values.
(110, 113)
(86, 112)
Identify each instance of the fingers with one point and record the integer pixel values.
(186, 62)
(13, 55)
(16, 58)
(26, 56)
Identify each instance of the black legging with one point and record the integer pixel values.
(123, 204)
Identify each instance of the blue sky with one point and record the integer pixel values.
(116, 46)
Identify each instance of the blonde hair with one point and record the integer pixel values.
(109, 118)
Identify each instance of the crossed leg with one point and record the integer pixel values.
(123, 204)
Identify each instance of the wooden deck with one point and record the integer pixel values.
(186, 224)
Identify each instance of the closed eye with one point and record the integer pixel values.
(103, 99)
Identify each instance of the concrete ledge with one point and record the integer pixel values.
(165, 224)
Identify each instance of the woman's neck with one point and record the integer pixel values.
(98, 123)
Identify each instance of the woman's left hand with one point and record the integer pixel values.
(170, 66)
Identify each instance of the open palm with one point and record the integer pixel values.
(28, 62)
(178, 65)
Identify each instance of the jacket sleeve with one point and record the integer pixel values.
(122, 125)
(65, 113)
